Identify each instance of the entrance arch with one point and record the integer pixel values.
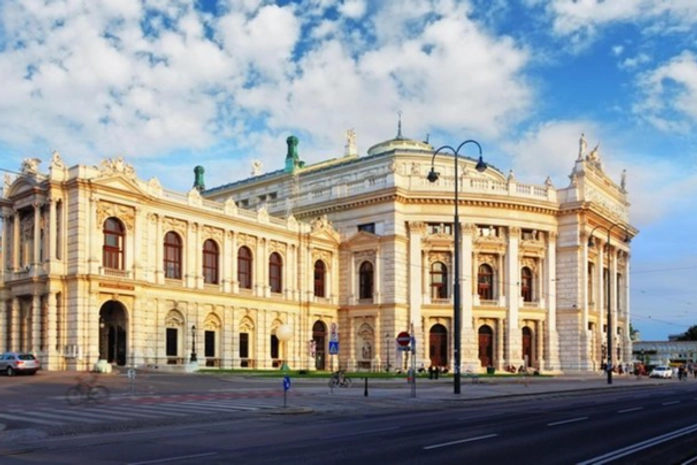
(319, 337)
(527, 346)
(112, 333)
(438, 346)
(486, 346)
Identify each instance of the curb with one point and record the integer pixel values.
(290, 411)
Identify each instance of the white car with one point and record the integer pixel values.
(661, 372)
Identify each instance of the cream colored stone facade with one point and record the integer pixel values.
(362, 245)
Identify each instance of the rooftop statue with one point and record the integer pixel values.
(30, 166)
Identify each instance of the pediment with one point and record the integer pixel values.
(120, 183)
(22, 185)
(362, 238)
(326, 234)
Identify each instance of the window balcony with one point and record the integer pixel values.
(114, 272)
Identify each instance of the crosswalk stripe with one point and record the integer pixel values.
(30, 420)
(199, 407)
(129, 411)
(102, 414)
(239, 406)
(63, 416)
(163, 409)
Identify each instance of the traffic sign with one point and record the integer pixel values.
(286, 383)
(403, 339)
(333, 347)
(334, 331)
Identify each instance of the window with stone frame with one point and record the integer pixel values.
(365, 280)
(276, 272)
(113, 249)
(485, 282)
(320, 273)
(173, 256)
(439, 281)
(210, 262)
(526, 283)
(244, 267)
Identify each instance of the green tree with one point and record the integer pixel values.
(689, 335)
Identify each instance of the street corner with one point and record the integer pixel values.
(291, 411)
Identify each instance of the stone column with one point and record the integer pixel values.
(52, 230)
(468, 287)
(16, 250)
(415, 275)
(612, 258)
(233, 257)
(35, 345)
(93, 232)
(551, 335)
(261, 282)
(190, 272)
(513, 335)
(50, 348)
(600, 297)
(353, 288)
(14, 341)
(5, 312)
(628, 345)
(378, 278)
(158, 266)
(5, 256)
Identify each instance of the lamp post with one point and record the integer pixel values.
(610, 336)
(193, 343)
(457, 316)
(387, 349)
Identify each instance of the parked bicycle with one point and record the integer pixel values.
(339, 379)
(87, 390)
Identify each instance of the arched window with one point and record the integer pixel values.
(275, 273)
(210, 262)
(526, 284)
(365, 279)
(112, 251)
(439, 281)
(320, 274)
(173, 256)
(485, 281)
(244, 267)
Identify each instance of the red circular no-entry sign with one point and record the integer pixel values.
(403, 339)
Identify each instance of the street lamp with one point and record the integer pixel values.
(457, 316)
(610, 336)
(193, 343)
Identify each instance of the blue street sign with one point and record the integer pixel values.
(286, 383)
(333, 347)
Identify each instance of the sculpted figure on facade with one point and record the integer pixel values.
(350, 148)
(623, 180)
(57, 160)
(257, 167)
(122, 212)
(582, 147)
(8, 184)
(30, 166)
(320, 222)
(111, 166)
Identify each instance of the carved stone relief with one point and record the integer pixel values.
(122, 212)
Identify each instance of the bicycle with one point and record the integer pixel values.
(87, 391)
(339, 379)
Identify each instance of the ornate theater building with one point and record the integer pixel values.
(281, 267)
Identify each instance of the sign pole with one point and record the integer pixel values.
(413, 366)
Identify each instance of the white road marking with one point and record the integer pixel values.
(31, 420)
(175, 459)
(671, 403)
(564, 422)
(630, 410)
(343, 435)
(461, 441)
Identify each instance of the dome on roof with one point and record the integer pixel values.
(399, 143)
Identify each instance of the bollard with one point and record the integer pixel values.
(365, 389)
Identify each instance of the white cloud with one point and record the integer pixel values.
(353, 9)
(552, 148)
(94, 82)
(632, 63)
(670, 94)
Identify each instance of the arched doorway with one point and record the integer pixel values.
(486, 346)
(112, 333)
(319, 338)
(438, 346)
(527, 346)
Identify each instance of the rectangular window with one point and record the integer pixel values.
(244, 345)
(274, 347)
(209, 344)
(273, 196)
(487, 231)
(172, 339)
(367, 227)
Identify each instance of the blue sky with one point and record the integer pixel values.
(171, 84)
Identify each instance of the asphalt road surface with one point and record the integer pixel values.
(649, 425)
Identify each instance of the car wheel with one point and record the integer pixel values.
(10, 371)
